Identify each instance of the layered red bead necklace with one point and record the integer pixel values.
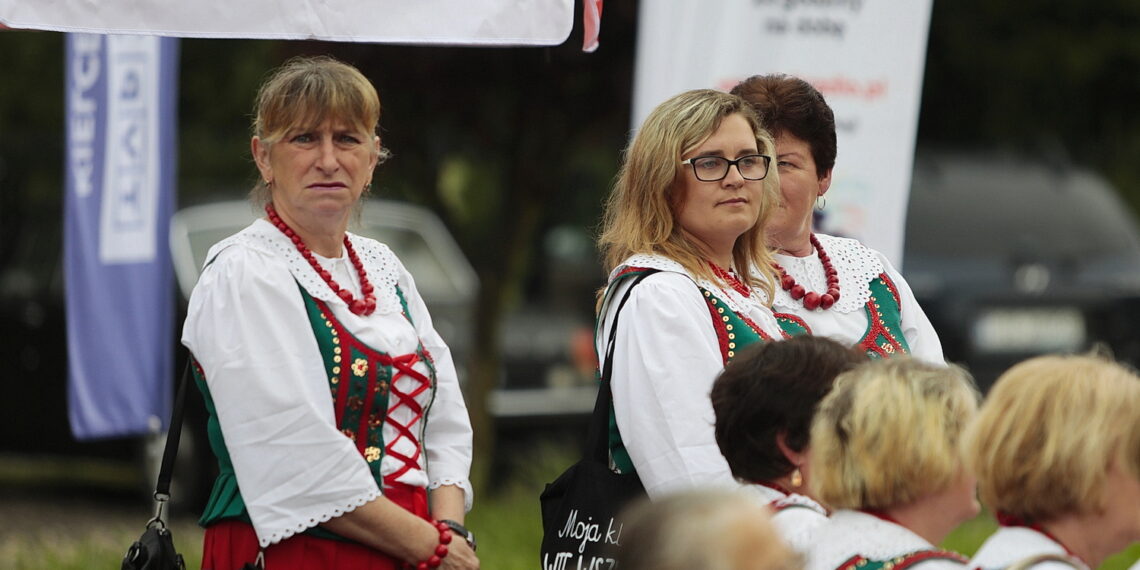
(731, 279)
(811, 299)
(362, 307)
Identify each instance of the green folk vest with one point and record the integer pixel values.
(883, 337)
(903, 562)
(360, 383)
(734, 332)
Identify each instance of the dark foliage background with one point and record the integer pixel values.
(506, 144)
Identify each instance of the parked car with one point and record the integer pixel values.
(1013, 256)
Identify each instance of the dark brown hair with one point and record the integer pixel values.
(790, 105)
(769, 389)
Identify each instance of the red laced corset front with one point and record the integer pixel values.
(403, 367)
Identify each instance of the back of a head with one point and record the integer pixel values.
(888, 433)
(771, 389)
(1048, 431)
(790, 105)
(705, 529)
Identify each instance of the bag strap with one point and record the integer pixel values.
(598, 431)
(170, 451)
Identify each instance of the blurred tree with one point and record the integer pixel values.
(1061, 76)
(506, 143)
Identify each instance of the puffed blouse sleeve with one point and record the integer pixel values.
(248, 329)
(447, 435)
(919, 333)
(665, 361)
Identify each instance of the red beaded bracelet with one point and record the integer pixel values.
(436, 559)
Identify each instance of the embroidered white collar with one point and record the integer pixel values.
(856, 264)
(731, 297)
(378, 260)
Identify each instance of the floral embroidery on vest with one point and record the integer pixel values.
(362, 386)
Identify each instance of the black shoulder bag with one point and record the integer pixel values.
(580, 509)
(154, 550)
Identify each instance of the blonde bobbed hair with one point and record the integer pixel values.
(305, 91)
(888, 433)
(640, 211)
(1048, 431)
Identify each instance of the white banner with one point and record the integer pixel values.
(865, 56)
(130, 173)
(446, 22)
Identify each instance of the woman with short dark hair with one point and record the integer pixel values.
(832, 286)
(764, 402)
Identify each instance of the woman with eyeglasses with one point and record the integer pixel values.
(832, 286)
(689, 205)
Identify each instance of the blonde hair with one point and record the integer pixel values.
(305, 91)
(639, 214)
(710, 529)
(1048, 431)
(887, 433)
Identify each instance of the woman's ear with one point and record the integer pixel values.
(375, 152)
(797, 458)
(260, 152)
(824, 182)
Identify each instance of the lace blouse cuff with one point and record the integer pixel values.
(468, 491)
(274, 531)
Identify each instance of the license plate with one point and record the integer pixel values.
(1029, 330)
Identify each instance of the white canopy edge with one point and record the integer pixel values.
(437, 22)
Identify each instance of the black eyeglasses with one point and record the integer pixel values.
(714, 168)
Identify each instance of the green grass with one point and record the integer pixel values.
(83, 547)
(76, 534)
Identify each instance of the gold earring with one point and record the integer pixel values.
(797, 478)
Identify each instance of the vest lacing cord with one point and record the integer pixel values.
(403, 365)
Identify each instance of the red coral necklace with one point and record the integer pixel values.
(811, 299)
(362, 307)
(731, 279)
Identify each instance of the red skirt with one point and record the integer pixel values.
(229, 545)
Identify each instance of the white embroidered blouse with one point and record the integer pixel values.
(794, 515)
(846, 321)
(1011, 544)
(849, 533)
(665, 361)
(248, 328)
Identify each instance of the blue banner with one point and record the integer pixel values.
(121, 110)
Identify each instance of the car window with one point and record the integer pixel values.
(1006, 211)
(432, 273)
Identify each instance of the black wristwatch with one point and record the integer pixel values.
(461, 531)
